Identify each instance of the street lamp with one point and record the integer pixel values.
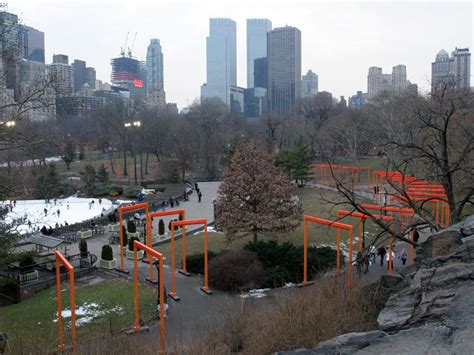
(134, 124)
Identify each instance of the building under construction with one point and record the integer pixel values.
(125, 70)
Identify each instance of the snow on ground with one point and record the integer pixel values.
(30, 162)
(71, 210)
(90, 311)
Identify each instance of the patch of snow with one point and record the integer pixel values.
(256, 293)
(87, 312)
(71, 210)
(30, 162)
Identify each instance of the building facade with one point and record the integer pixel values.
(396, 82)
(221, 60)
(62, 75)
(80, 74)
(399, 78)
(154, 66)
(33, 44)
(358, 100)
(455, 70)
(284, 69)
(309, 84)
(91, 77)
(257, 30)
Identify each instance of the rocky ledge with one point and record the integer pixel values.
(431, 311)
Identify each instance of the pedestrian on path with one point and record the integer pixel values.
(199, 196)
(45, 212)
(196, 187)
(403, 256)
(365, 260)
(373, 253)
(58, 212)
(382, 251)
(67, 206)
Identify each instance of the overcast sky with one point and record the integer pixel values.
(340, 40)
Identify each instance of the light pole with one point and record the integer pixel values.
(134, 124)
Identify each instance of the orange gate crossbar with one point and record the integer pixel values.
(138, 206)
(190, 222)
(402, 211)
(136, 327)
(61, 260)
(354, 170)
(361, 217)
(149, 222)
(337, 225)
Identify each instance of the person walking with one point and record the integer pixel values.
(373, 253)
(365, 261)
(199, 196)
(58, 212)
(45, 212)
(67, 206)
(381, 251)
(196, 187)
(403, 256)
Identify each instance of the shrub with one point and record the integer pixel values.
(131, 226)
(284, 262)
(195, 262)
(161, 227)
(100, 190)
(26, 260)
(107, 253)
(117, 188)
(113, 193)
(130, 243)
(131, 192)
(83, 246)
(236, 270)
(124, 236)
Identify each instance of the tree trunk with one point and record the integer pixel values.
(255, 235)
(141, 165)
(111, 161)
(146, 163)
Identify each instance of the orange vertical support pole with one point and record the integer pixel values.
(173, 268)
(361, 232)
(183, 245)
(305, 252)
(162, 306)
(412, 248)
(136, 326)
(149, 222)
(121, 239)
(206, 285)
(60, 307)
(351, 240)
(338, 251)
(73, 309)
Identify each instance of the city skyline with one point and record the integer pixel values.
(339, 47)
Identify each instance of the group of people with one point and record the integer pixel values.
(366, 258)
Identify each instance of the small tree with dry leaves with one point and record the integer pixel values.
(256, 197)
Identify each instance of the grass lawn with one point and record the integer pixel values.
(31, 324)
(318, 203)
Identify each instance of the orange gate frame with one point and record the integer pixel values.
(138, 206)
(401, 211)
(324, 177)
(361, 217)
(136, 326)
(337, 225)
(60, 259)
(149, 222)
(190, 222)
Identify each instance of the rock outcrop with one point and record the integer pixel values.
(431, 310)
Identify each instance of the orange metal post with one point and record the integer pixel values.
(60, 259)
(205, 288)
(138, 206)
(149, 234)
(136, 327)
(337, 225)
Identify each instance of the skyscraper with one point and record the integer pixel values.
(11, 49)
(257, 30)
(33, 44)
(309, 84)
(154, 66)
(80, 74)
(399, 78)
(62, 74)
(455, 69)
(90, 77)
(374, 82)
(260, 72)
(221, 50)
(284, 68)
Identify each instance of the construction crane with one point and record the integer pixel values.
(122, 49)
(130, 49)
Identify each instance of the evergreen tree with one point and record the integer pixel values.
(47, 185)
(69, 154)
(102, 173)
(297, 161)
(89, 178)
